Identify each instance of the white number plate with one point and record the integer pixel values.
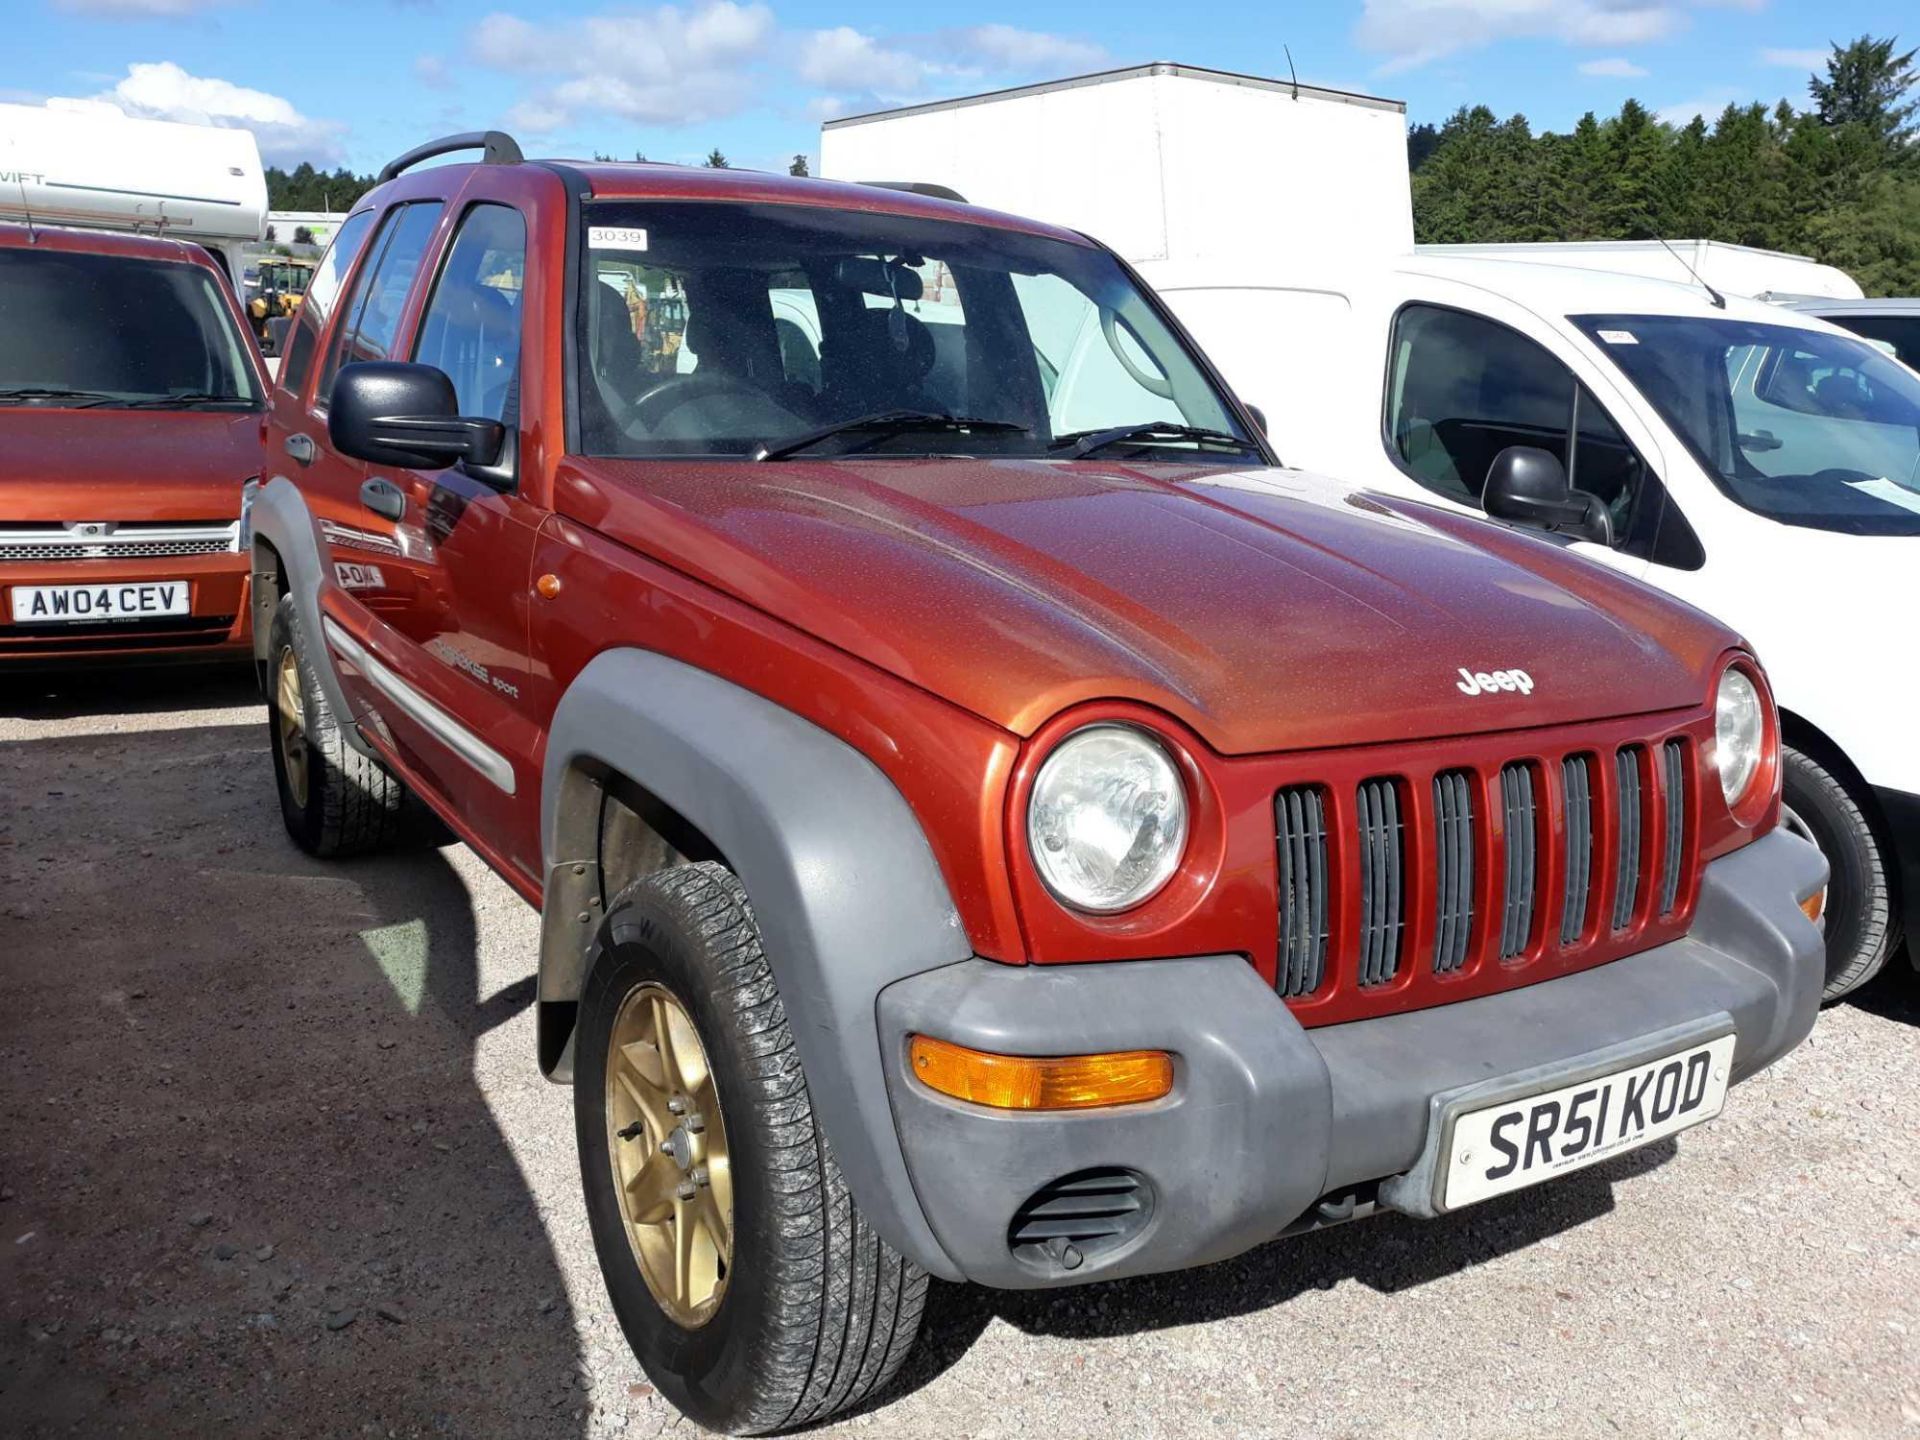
(1522, 1142)
(81, 604)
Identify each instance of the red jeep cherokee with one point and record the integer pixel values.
(130, 400)
(988, 819)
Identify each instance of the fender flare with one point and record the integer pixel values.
(847, 892)
(281, 521)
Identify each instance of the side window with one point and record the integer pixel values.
(471, 328)
(1463, 388)
(321, 292)
(379, 293)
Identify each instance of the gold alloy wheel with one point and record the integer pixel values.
(291, 702)
(667, 1144)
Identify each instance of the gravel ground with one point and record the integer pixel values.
(276, 1159)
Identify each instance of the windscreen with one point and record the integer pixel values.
(717, 328)
(105, 330)
(1806, 427)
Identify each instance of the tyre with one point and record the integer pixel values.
(752, 1290)
(1861, 927)
(335, 800)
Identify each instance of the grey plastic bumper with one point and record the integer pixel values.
(1266, 1117)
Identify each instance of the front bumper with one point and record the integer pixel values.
(215, 629)
(1272, 1126)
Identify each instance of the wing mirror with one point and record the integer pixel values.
(387, 413)
(1528, 486)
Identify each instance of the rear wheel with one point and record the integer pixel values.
(1861, 927)
(335, 801)
(752, 1290)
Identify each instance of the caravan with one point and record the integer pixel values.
(85, 165)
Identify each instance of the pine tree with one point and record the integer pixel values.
(717, 161)
(1870, 86)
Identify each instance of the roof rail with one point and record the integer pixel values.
(499, 148)
(919, 187)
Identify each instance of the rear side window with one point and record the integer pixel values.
(471, 329)
(372, 314)
(322, 291)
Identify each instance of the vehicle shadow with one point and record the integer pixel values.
(250, 1183)
(66, 694)
(1893, 994)
(1390, 1254)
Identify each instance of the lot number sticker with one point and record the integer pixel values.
(615, 237)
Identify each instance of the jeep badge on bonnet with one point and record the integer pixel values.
(1481, 682)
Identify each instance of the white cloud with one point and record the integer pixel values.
(1706, 107)
(163, 91)
(1796, 59)
(431, 71)
(865, 72)
(1615, 68)
(1411, 33)
(137, 9)
(668, 65)
(845, 59)
(1026, 51)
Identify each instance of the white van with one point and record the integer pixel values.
(1758, 462)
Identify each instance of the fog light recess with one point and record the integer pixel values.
(1070, 1222)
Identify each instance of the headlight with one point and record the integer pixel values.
(1739, 733)
(1107, 821)
(243, 536)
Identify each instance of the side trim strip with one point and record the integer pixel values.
(444, 728)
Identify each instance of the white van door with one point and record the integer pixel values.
(1462, 384)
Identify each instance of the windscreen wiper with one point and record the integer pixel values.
(1084, 442)
(52, 392)
(185, 397)
(889, 422)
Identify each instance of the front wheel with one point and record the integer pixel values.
(335, 801)
(752, 1290)
(1861, 925)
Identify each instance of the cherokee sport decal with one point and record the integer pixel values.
(1484, 682)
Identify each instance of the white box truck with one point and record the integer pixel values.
(1161, 162)
(88, 165)
(1750, 459)
(1730, 269)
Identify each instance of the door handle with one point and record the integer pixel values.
(300, 447)
(383, 497)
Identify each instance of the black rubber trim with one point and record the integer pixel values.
(575, 185)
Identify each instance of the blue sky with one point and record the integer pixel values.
(355, 81)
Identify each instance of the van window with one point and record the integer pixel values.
(322, 290)
(380, 290)
(1463, 388)
(471, 329)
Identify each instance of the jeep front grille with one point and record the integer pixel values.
(108, 541)
(1437, 873)
(1301, 819)
(1381, 841)
(1626, 859)
(1453, 867)
(1576, 781)
(1516, 914)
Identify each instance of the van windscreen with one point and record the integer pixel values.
(116, 330)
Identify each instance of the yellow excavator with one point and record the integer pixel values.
(277, 296)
